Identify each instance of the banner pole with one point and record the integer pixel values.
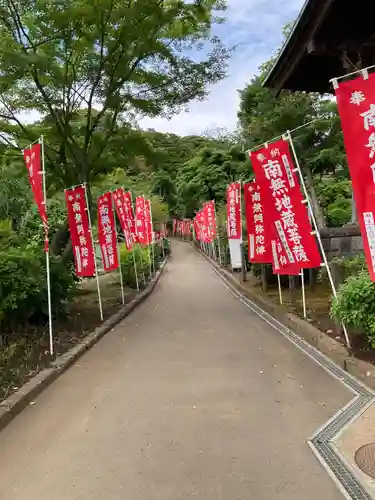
(133, 249)
(135, 270)
(316, 230)
(280, 292)
(46, 242)
(118, 254)
(152, 238)
(214, 250)
(303, 294)
(217, 235)
(93, 250)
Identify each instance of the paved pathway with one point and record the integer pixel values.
(191, 397)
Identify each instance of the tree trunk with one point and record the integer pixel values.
(263, 275)
(319, 217)
(60, 239)
(292, 288)
(243, 265)
(313, 274)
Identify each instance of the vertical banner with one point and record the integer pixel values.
(107, 232)
(80, 231)
(356, 105)
(234, 222)
(211, 219)
(188, 227)
(129, 213)
(148, 222)
(32, 157)
(174, 226)
(204, 226)
(140, 220)
(196, 227)
(283, 201)
(258, 231)
(122, 214)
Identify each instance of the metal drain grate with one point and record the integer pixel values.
(365, 459)
(321, 441)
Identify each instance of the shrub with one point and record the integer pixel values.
(355, 304)
(142, 260)
(7, 235)
(348, 267)
(31, 227)
(339, 212)
(23, 285)
(167, 246)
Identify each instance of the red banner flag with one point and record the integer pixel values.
(283, 201)
(129, 212)
(258, 232)
(186, 226)
(196, 228)
(174, 226)
(32, 159)
(107, 232)
(80, 231)
(148, 222)
(141, 220)
(234, 222)
(211, 219)
(204, 226)
(122, 214)
(356, 105)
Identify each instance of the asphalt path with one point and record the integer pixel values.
(191, 396)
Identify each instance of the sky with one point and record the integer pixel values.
(255, 28)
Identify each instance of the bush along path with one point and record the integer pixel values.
(24, 338)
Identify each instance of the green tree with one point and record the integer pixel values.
(264, 116)
(87, 67)
(206, 176)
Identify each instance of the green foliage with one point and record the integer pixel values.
(335, 200)
(329, 190)
(7, 235)
(142, 259)
(354, 265)
(263, 116)
(31, 227)
(23, 286)
(206, 176)
(15, 198)
(355, 304)
(89, 67)
(339, 212)
(347, 267)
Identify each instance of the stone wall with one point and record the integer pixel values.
(342, 241)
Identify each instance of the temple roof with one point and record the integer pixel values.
(329, 39)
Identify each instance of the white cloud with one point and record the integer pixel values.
(255, 27)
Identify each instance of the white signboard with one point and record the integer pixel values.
(235, 253)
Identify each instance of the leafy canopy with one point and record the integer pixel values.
(89, 68)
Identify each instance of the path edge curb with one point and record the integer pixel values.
(18, 401)
(332, 348)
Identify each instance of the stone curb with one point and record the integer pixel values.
(17, 401)
(362, 370)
